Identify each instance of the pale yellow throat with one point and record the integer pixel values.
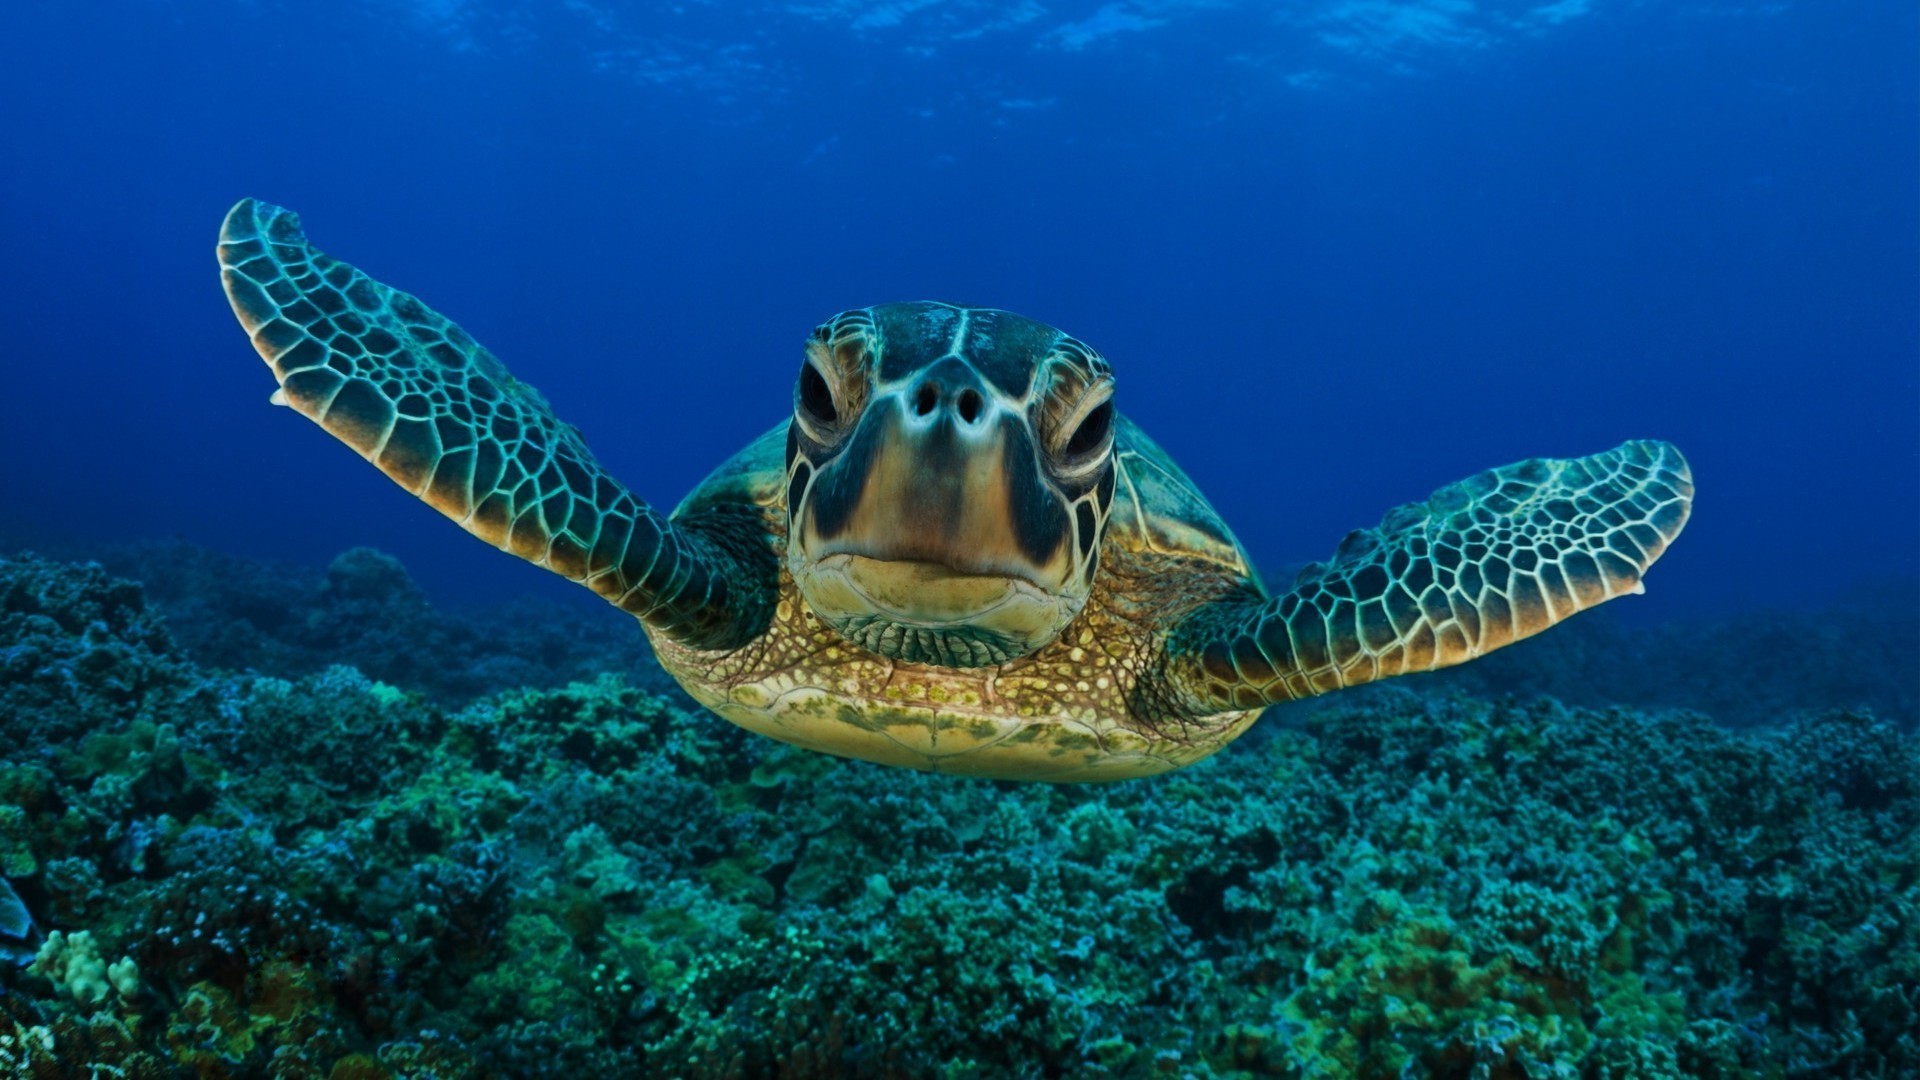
(846, 590)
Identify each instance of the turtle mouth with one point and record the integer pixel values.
(925, 592)
(923, 611)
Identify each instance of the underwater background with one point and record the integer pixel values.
(297, 781)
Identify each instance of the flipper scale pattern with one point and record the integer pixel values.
(1481, 564)
(415, 395)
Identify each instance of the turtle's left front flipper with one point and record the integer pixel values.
(441, 416)
(1481, 564)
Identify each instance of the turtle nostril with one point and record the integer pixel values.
(969, 406)
(925, 399)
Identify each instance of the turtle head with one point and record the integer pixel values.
(949, 473)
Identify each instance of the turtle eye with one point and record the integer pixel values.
(1092, 431)
(814, 395)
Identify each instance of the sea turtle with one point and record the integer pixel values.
(954, 554)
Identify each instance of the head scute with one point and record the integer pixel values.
(832, 387)
(847, 341)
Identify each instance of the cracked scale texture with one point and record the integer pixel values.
(435, 411)
(1482, 563)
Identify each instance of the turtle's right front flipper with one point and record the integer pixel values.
(439, 414)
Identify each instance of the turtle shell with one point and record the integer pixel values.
(1157, 508)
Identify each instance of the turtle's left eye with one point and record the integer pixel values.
(814, 395)
(1092, 431)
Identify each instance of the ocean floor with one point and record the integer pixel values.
(295, 822)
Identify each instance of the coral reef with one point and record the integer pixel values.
(1754, 670)
(313, 859)
(365, 611)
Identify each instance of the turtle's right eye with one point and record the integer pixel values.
(814, 395)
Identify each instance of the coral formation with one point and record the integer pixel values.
(1754, 670)
(74, 966)
(318, 861)
(364, 611)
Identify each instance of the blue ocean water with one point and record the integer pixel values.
(298, 781)
(1339, 253)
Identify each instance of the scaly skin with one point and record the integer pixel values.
(1086, 706)
(1481, 564)
(1118, 696)
(1175, 653)
(436, 412)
